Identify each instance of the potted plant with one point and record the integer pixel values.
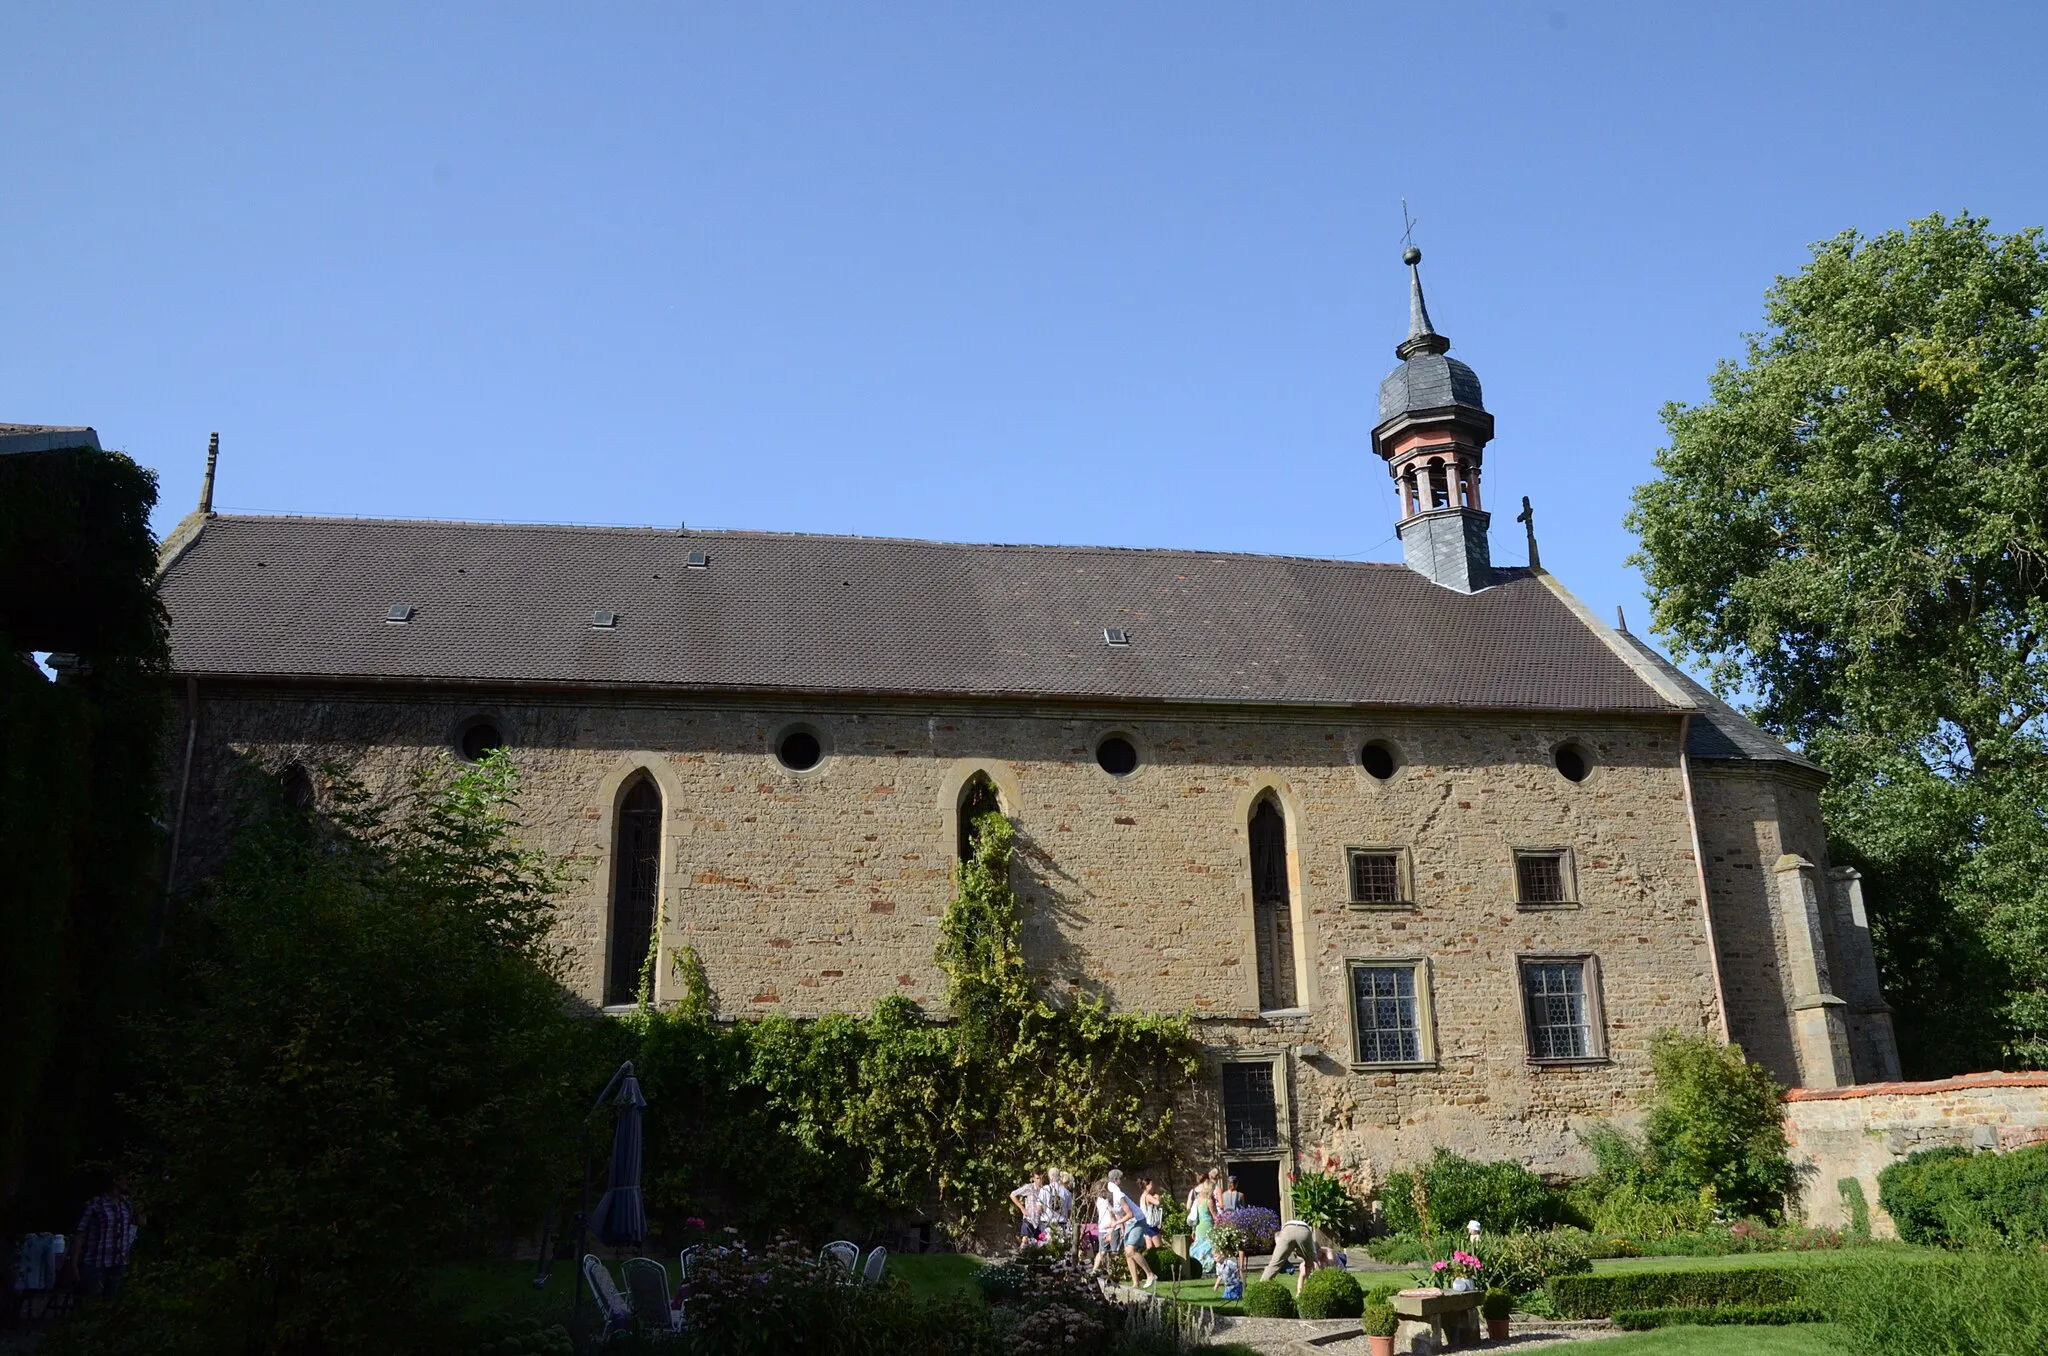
(1495, 1309)
(1380, 1323)
(1460, 1275)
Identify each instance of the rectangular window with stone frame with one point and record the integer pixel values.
(1544, 878)
(1561, 1010)
(1379, 878)
(1391, 1023)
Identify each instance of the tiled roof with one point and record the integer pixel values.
(308, 598)
(1719, 732)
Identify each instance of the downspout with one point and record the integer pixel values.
(184, 792)
(1699, 865)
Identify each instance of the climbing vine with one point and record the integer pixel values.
(896, 1111)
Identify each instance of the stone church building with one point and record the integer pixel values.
(1428, 851)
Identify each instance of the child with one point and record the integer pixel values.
(1229, 1279)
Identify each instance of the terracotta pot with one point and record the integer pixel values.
(1496, 1329)
(1380, 1346)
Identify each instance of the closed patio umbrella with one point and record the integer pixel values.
(621, 1217)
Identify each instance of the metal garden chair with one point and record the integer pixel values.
(871, 1274)
(647, 1284)
(618, 1315)
(841, 1254)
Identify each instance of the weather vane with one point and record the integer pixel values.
(1408, 225)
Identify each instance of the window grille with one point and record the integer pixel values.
(1541, 878)
(636, 888)
(1375, 878)
(1251, 1115)
(1560, 1023)
(1388, 1017)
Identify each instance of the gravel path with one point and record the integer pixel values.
(1343, 1337)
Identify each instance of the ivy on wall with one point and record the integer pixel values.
(788, 1123)
(80, 798)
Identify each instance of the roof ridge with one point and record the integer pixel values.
(760, 534)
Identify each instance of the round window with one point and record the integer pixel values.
(1572, 761)
(1115, 756)
(478, 738)
(799, 751)
(1379, 759)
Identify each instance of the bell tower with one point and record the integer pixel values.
(1433, 433)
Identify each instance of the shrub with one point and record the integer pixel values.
(1057, 1330)
(1002, 1283)
(1644, 1209)
(1985, 1304)
(377, 1001)
(1268, 1299)
(1522, 1262)
(1331, 1293)
(1497, 1304)
(1166, 1262)
(1983, 1200)
(1591, 1296)
(1321, 1199)
(1635, 1320)
(1398, 1249)
(1504, 1197)
(1381, 1320)
(1715, 1135)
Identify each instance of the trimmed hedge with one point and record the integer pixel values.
(1330, 1292)
(1636, 1320)
(1268, 1299)
(1602, 1296)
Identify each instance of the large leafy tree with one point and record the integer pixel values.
(364, 1067)
(1852, 531)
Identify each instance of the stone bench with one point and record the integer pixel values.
(1430, 1323)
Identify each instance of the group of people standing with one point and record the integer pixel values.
(1125, 1224)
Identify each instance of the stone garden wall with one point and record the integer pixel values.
(1843, 1133)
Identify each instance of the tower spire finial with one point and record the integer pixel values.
(206, 485)
(1422, 336)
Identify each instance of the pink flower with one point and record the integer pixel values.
(1438, 1266)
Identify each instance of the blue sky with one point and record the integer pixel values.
(1121, 273)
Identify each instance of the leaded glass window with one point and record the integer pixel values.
(1560, 1010)
(1251, 1113)
(1388, 1014)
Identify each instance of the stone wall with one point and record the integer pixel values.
(1842, 1133)
(1797, 970)
(819, 891)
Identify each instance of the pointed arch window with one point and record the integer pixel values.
(977, 798)
(1272, 906)
(636, 888)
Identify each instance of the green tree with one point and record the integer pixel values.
(1852, 530)
(366, 1069)
(80, 801)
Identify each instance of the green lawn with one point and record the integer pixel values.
(478, 1290)
(935, 1274)
(1797, 1339)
